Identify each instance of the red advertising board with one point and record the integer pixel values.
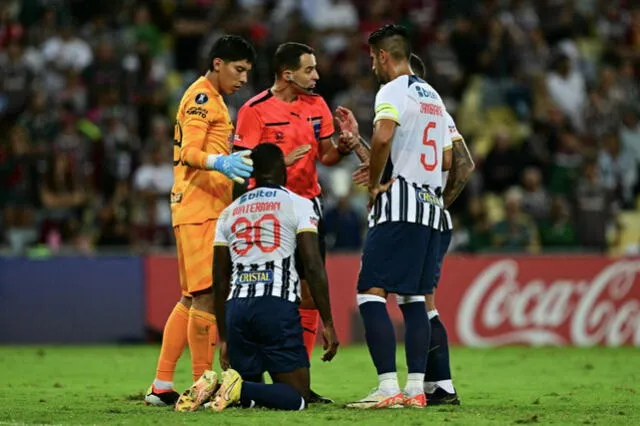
(485, 300)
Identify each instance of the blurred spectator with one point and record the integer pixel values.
(516, 232)
(557, 231)
(344, 226)
(501, 169)
(479, 226)
(152, 183)
(19, 177)
(567, 89)
(16, 81)
(536, 201)
(617, 170)
(64, 199)
(594, 209)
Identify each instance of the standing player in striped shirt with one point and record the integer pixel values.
(204, 168)
(438, 385)
(409, 150)
(257, 292)
(291, 116)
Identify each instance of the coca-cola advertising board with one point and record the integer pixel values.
(486, 300)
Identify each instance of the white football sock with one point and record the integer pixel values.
(162, 385)
(388, 383)
(414, 384)
(445, 385)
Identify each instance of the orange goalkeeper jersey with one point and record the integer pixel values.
(203, 127)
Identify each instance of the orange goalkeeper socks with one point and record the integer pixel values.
(174, 340)
(309, 320)
(202, 336)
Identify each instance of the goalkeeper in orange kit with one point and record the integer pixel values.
(204, 171)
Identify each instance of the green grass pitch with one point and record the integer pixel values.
(104, 385)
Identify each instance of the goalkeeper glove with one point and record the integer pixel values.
(236, 166)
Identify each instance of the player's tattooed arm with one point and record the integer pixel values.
(349, 128)
(460, 172)
(221, 285)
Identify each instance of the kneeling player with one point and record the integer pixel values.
(257, 292)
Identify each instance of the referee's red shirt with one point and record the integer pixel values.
(307, 120)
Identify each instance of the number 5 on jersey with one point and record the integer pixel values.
(429, 166)
(250, 234)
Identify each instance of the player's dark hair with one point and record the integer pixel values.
(393, 39)
(268, 164)
(231, 48)
(287, 56)
(417, 66)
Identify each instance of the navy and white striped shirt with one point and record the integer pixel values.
(260, 228)
(415, 160)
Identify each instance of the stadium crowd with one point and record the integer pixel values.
(545, 93)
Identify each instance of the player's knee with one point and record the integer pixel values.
(203, 300)
(430, 300)
(374, 291)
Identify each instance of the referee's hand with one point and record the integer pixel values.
(330, 342)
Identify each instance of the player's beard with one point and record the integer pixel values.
(381, 79)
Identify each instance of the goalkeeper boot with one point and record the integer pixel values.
(199, 393)
(229, 391)
(160, 397)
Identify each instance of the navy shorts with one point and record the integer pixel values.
(445, 240)
(264, 334)
(400, 257)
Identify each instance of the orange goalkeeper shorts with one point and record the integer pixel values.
(195, 255)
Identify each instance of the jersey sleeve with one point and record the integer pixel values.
(306, 217)
(222, 231)
(198, 112)
(389, 103)
(248, 128)
(327, 128)
(454, 135)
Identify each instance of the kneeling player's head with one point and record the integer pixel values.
(388, 46)
(268, 165)
(417, 66)
(295, 63)
(231, 58)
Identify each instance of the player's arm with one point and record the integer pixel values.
(221, 270)
(349, 128)
(460, 172)
(380, 148)
(191, 135)
(388, 110)
(461, 164)
(309, 248)
(332, 150)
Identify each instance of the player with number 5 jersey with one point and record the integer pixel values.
(410, 148)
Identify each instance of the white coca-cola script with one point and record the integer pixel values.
(498, 309)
